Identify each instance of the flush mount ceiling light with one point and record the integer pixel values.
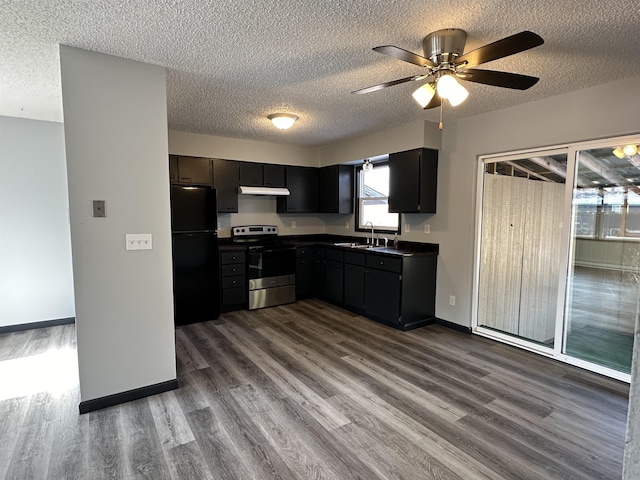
(282, 121)
(626, 151)
(367, 166)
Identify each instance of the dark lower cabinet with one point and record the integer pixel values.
(334, 281)
(318, 272)
(382, 296)
(354, 286)
(304, 278)
(304, 272)
(233, 280)
(397, 290)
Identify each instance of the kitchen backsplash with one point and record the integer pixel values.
(258, 210)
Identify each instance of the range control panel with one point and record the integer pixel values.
(254, 230)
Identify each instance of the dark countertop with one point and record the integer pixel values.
(404, 249)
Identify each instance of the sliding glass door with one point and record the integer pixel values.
(558, 252)
(520, 248)
(603, 292)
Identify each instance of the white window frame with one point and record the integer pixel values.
(360, 205)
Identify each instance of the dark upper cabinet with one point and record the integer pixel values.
(190, 170)
(251, 174)
(262, 175)
(302, 182)
(173, 169)
(225, 181)
(413, 179)
(335, 186)
(274, 175)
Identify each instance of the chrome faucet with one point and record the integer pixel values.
(365, 226)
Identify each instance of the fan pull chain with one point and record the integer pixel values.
(440, 124)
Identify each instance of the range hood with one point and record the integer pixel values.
(280, 191)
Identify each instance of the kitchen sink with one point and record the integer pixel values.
(352, 245)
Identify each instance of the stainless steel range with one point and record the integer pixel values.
(272, 265)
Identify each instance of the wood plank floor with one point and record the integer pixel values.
(309, 391)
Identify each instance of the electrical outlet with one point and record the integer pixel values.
(138, 241)
(407, 227)
(452, 300)
(293, 224)
(427, 228)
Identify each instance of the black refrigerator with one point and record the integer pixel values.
(196, 284)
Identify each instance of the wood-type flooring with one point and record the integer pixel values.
(310, 391)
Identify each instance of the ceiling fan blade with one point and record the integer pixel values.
(405, 55)
(387, 84)
(499, 79)
(502, 48)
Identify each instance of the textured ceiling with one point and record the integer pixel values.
(230, 63)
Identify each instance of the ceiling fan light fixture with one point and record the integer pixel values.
(458, 95)
(424, 94)
(630, 150)
(447, 85)
(282, 121)
(367, 166)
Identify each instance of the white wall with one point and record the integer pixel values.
(199, 145)
(116, 141)
(412, 135)
(36, 281)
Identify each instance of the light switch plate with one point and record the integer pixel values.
(138, 241)
(99, 208)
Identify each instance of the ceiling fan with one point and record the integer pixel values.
(444, 61)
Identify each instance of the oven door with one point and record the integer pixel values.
(272, 261)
